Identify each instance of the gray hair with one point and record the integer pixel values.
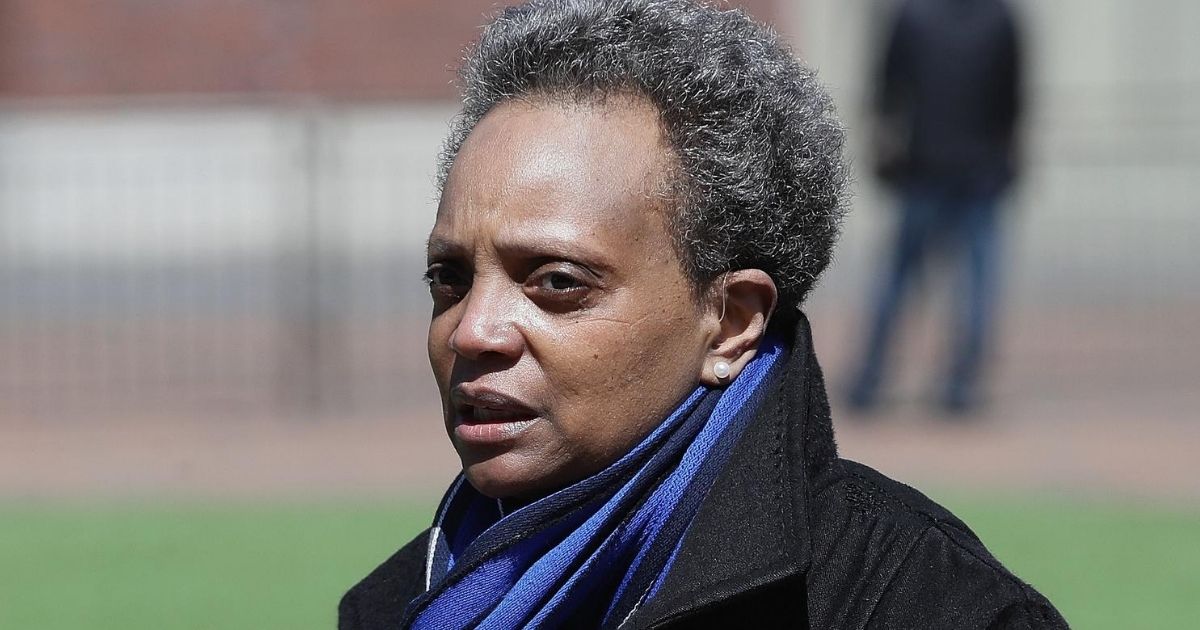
(761, 176)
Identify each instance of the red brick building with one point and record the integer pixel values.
(338, 48)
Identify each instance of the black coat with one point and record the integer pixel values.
(950, 94)
(793, 536)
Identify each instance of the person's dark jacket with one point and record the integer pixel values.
(792, 536)
(950, 94)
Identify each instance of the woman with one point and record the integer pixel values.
(635, 201)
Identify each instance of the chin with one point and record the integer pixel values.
(499, 478)
(494, 479)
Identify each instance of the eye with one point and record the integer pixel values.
(560, 287)
(447, 282)
(558, 281)
(439, 274)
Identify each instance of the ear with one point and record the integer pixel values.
(743, 300)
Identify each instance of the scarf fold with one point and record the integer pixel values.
(590, 554)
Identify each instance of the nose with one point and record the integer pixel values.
(488, 327)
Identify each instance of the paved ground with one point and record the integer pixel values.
(1100, 407)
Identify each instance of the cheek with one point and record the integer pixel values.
(614, 377)
(441, 357)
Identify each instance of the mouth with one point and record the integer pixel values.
(488, 417)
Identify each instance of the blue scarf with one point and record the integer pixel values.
(590, 554)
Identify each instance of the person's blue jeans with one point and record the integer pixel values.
(964, 228)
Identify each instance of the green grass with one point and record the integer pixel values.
(190, 566)
(230, 565)
(1103, 565)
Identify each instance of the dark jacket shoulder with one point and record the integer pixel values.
(886, 556)
(378, 600)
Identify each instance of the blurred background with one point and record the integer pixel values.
(215, 406)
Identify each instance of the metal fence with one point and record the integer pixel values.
(216, 260)
(264, 259)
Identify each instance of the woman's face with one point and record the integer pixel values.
(563, 327)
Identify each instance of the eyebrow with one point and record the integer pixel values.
(534, 246)
(438, 248)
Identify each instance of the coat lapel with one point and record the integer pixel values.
(750, 531)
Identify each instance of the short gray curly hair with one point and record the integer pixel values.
(759, 150)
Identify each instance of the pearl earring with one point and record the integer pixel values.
(721, 370)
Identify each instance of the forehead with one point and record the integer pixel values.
(588, 171)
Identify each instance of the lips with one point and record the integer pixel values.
(487, 416)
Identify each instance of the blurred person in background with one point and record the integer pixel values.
(635, 201)
(947, 108)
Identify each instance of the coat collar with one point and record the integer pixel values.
(752, 528)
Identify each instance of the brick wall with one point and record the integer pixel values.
(342, 48)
